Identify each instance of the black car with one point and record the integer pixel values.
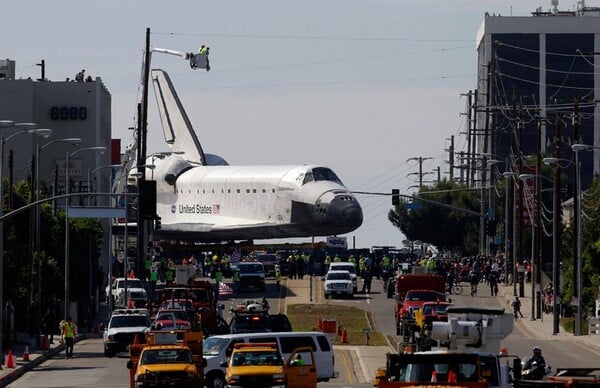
(259, 322)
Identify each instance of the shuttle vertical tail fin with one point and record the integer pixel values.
(177, 128)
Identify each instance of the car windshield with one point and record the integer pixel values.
(249, 323)
(213, 345)
(348, 267)
(129, 321)
(338, 276)
(178, 314)
(167, 356)
(178, 304)
(251, 268)
(131, 283)
(422, 296)
(256, 358)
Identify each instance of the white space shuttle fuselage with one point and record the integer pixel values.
(200, 201)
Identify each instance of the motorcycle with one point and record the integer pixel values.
(536, 371)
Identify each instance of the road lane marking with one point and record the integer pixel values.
(349, 372)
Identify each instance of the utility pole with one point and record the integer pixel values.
(420, 159)
(451, 158)
(556, 234)
(42, 64)
(538, 226)
(576, 220)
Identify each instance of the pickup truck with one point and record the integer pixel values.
(124, 325)
(136, 292)
(261, 364)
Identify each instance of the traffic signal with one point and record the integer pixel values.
(395, 197)
(147, 199)
(157, 223)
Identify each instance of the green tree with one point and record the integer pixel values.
(20, 260)
(445, 228)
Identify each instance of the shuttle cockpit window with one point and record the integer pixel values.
(321, 174)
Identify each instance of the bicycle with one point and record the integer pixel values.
(457, 289)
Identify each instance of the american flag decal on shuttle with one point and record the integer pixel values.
(216, 208)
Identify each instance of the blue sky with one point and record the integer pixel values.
(359, 86)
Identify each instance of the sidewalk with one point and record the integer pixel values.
(36, 357)
(36, 354)
(541, 328)
(370, 358)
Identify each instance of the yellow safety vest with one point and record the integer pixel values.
(69, 330)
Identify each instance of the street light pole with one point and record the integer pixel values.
(67, 189)
(38, 149)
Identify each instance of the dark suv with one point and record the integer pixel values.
(259, 322)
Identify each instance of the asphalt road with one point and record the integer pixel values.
(90, 368)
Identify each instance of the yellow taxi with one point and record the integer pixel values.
(260, 364)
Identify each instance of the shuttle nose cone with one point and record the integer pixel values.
(345, 211)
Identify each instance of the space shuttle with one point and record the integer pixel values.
(200, 197)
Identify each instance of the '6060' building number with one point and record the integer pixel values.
(68, 113)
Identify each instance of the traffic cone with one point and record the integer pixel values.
(10, 360)
(344, 336)
(434, 376)
(26, 354)
(45, 342)
(130, 304)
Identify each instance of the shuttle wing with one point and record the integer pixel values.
(177, 129)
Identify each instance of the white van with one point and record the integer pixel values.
(346, 266)
(218, 348)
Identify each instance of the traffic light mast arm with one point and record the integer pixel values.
(396, 194)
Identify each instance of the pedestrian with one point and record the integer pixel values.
(69, 331)
(278, 277)
(48, 324)
(79, 77)
(516, 305)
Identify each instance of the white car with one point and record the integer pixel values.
(338, 283)
(346, 266)
(135, 291)
(123, 327)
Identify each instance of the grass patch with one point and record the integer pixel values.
(304, 317)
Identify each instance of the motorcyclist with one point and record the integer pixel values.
(536, 360)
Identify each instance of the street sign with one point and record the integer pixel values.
(413, 205)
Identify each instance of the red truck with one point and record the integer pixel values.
(412, 291)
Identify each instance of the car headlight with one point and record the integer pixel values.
(139, 378)
(278, 376)
(110, 337)
(192, 375)
(234, 379)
